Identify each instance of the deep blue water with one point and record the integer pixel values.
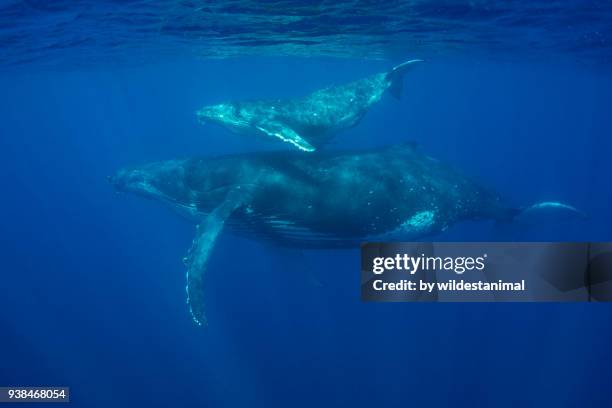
(92, 293)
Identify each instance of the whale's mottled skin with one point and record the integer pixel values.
(309, 122)
(328, 200)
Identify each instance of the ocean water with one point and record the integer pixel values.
(515, 94)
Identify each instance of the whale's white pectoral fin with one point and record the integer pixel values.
(208, 230)
(285, 134)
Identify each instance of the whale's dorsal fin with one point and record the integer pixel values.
(284, 133)
(208, 230)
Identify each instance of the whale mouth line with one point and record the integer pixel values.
(228, 186)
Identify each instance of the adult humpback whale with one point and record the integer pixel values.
(329, 200)
(309, 122)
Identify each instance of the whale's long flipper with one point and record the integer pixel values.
(207, 233)
(396, 76)
(284, 133)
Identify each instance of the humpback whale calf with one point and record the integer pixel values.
(311, 121)
(328, 200)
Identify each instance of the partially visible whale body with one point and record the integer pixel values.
(309, 122)
(328, 200)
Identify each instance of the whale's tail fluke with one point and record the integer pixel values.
(396, 77)
(547, 211)
(514, 223)
(541, 213)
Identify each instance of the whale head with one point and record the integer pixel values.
(193, 185)
(162, 181)
(229, 114)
